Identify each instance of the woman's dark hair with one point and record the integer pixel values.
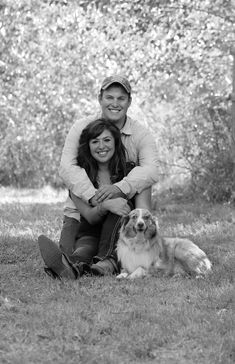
(117, 164)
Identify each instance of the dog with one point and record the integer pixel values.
(141, 249)
(137, 247)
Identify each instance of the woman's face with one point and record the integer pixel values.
(102, 147)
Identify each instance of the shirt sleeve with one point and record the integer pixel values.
(75, 177)
(145, 174)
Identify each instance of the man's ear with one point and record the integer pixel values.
(99, 97)
(130, 100)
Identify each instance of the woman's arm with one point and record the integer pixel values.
(95, 214)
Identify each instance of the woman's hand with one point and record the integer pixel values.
(118, 206)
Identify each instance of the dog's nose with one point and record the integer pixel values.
(140, 225)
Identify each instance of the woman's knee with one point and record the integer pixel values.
(69, 234)
(85, 249)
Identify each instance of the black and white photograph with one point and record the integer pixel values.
(117, 181)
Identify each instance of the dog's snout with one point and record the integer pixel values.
(140, 225)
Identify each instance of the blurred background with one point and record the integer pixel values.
(177, 56)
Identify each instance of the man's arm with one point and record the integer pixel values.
(139, 178)
(145, 174)
(75, 177)
(143, 199)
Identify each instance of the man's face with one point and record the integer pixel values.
(114, 103)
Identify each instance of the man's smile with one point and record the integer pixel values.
(114, 110)
(114, 103)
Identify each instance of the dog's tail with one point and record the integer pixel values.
(198, 263)
(204, 266)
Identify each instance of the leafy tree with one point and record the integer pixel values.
(176, 53)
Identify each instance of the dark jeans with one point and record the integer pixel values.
(87, 243)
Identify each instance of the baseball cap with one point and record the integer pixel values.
(116, 79)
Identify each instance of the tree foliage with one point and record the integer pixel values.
(176, 54)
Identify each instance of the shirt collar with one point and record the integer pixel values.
(126, 129)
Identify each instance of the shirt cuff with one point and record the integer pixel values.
(86, 196)
(125, 188)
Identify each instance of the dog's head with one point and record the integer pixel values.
(140, 221)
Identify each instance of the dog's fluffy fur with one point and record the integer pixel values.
(137, 247)
(141, 248)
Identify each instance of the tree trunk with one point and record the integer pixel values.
(233, 121)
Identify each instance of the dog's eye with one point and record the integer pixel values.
(145, 218)
(134, 217)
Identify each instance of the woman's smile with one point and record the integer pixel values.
(103, 153)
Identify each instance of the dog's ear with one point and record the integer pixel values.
(124, 220)
(153, 228)
(155, 221)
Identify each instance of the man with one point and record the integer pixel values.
(114, 99)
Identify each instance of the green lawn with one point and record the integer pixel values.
(103, 320)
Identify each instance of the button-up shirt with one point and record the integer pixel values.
(141, 149)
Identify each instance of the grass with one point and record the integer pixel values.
(102, 320)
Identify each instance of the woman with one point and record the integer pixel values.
(88, 244)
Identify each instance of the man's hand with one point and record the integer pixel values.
(118, 206)
(107, 192)
(93, 201)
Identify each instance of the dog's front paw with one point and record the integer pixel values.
(138, 273)
(122, 275)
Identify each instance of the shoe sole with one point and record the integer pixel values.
(51, 273)
(54, 258)
(95, 271)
